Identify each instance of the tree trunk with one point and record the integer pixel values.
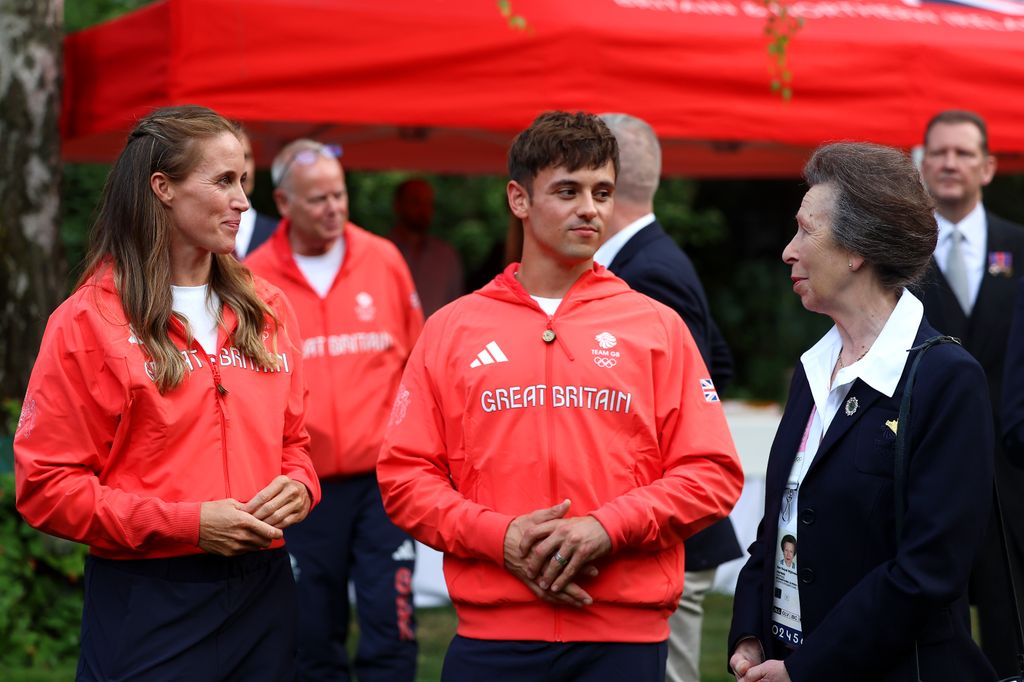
(31, 263)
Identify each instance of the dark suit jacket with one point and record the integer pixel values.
(651, 263)
(985, 334)
(1013, 386)
(864, 597)
(264, 227)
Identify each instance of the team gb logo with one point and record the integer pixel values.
(605, 340)
(365, 309)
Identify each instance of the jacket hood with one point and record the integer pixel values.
(596, 283)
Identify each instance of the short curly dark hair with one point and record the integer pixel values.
(882, 211)
(560, 138)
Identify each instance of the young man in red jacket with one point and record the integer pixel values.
(359, 317)
(557, 436)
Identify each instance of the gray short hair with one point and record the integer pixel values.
(639, 157)
(286, 157)
(882, 211)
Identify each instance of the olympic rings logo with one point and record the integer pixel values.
(605, 362)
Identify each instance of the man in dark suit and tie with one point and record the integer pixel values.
(969, 293)
(640, 252)
(254, 227)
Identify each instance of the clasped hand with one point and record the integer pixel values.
(748, 664)
(547, 551)
(229, 527)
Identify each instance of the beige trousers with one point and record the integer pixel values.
(684, 628)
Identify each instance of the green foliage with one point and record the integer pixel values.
(81, 185)
(688, 226)
(79, 14)
(515, 21)
(40, 591)
(780, 27)
(470, 211)
(766, 327)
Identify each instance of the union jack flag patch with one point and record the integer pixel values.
(710, 392)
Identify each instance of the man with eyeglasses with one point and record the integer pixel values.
(359, 316)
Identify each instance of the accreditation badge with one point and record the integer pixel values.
(786, 625)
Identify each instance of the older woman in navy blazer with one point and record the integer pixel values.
(860, 601)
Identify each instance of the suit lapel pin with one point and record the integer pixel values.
(1000, 263)
(851, 406)
(893, 424)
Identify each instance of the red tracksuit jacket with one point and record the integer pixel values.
(355, 343)
(616, 413)
(101, 457)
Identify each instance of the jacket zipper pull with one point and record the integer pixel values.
(221, 389)
(549, 336)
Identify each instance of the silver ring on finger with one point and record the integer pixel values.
(562, 561)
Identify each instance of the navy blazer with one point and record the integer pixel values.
(653, 264)
(865, 597)
(1013, 386)
(985, 334)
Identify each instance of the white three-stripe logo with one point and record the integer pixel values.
(489, 355)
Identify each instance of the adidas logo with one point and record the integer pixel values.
(405, 552)
(489, 355)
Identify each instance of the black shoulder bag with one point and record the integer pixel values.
(899, 488)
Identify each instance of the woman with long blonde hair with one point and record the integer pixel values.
(164, 422)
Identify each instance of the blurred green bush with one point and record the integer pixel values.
(40, 580)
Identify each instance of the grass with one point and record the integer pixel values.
(436, 627)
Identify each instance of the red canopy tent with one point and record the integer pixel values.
(444, 85)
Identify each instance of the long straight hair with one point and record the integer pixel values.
(132, 234)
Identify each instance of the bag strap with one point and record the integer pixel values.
(899, 483)
(900, 465)
(903, 427)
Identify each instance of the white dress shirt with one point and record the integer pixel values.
(880, 368)
(246, 226)
(607, 252)
(974, 227)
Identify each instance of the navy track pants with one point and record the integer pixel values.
(201, 618)
(473, 660)
(348, 536)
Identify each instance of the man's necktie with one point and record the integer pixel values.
(956, 271)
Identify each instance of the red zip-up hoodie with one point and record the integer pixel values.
(355, 342)
(102, 458)
(504, 410)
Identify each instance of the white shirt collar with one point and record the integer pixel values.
(607, 252)
(882, 366)
(246, 226)
(973, 227)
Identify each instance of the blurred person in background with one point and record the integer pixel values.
(359, 317)
(164, 422)
(968, 293)
(639, 251)
(435, 266)
(254, 228)
(866, 603)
